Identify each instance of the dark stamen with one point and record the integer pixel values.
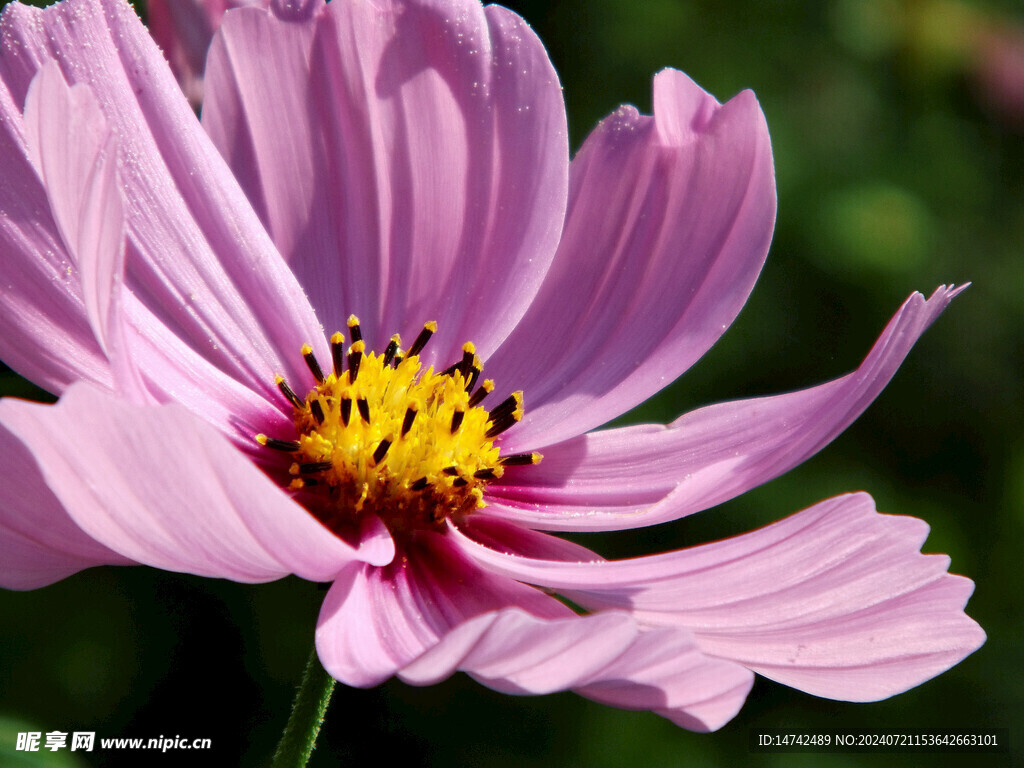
(451, 471)
(338, 353)
(519, 459)
(288, 446)
(484, 474)
(501, 425)
(289, 393)
(507, 406)
(314, 365)
(381, 452)
(353, 329)
(474, 374)
(312, 467)
(468, 353)
(485, 389)
(355, 355)
(317, 410)
(421, 341)
(410, 417)
(364, 409)
(420, 484)
(397, 361)
(390, 350)
(346, 410)
(457, 418)
(460, 482)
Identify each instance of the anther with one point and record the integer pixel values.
(460, 482)
(520, 459)
(391, 350)
(410, 417)
(355, 355)
(485, 389)
(317, 410)
(314, 365)
(457, 418)
(468, 355)
(487, 474)
(420, 484)
(503, 423)
(346, 410)
(288, 446)
(381, 452)
(338, 353)
(451, 471)
(510, 404)
(353, 329)
(429, 329)
(364, 409)
(288, 392)
(313, 467)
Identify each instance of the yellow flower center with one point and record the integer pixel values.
(380, 435)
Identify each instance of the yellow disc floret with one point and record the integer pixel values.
(380, 435)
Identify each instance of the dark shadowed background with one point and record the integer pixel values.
(898, 134)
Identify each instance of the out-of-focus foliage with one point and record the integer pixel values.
(898, 132)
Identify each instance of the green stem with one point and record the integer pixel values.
(299, 737)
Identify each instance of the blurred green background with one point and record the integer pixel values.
(898, 133)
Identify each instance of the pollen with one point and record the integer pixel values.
(381, 435)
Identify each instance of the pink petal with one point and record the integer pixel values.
(836, 600)
(422, 172)
(643, 475)
(197, 255)
(668, 225)
(163, 488)
(660, 670)
(663, 670)
(432, 612)
(375, 621)
(44, 332)
(174, 372)
(39, 543)
(72, 148)
(666, 671)
(76, 157)
(75, 154)
(521, 654)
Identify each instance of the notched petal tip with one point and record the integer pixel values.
(836, 600)
(683, 110)
(681, 107)
(882, 617)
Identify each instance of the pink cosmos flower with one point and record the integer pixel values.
(192, 292)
